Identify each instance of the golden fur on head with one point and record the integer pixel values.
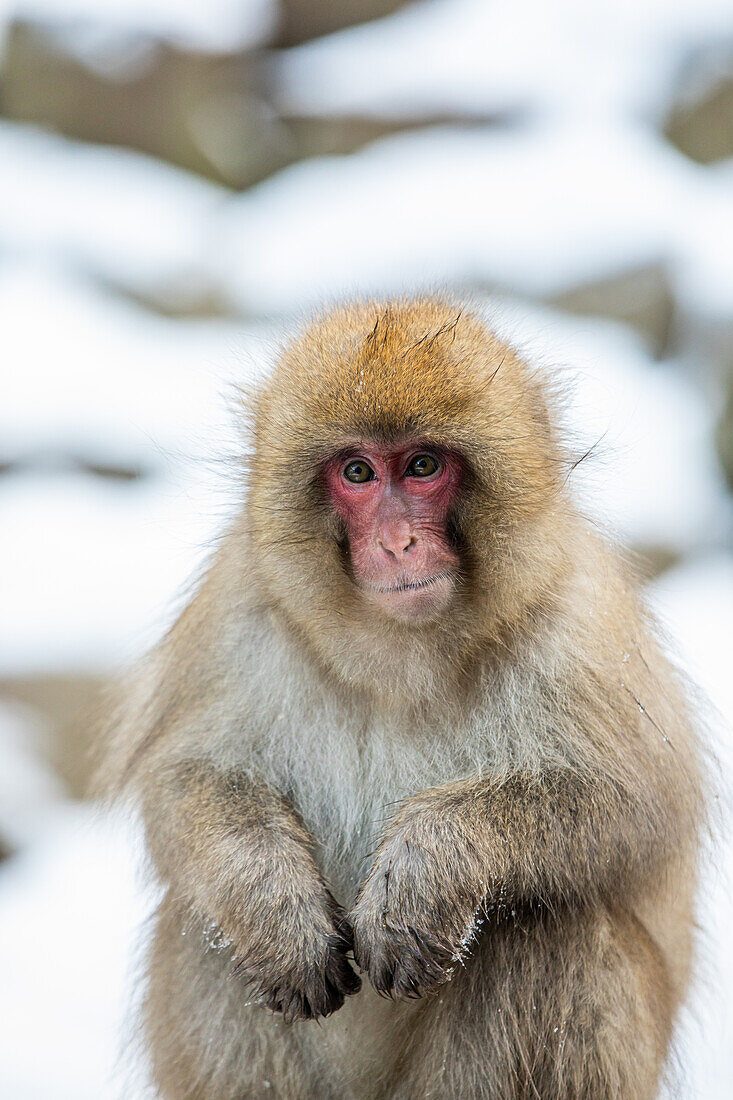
(390, 372)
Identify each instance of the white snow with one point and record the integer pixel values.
(71, 917)
(534, 211)
(485, 56)
(704, 268)
(576, 185)
(87, 373)
(29, 791)
(695, 603)
(72, 913)
(122, 216)
(97, 29)
(91, 574)
(90, 568)
(93, 569)
(653, 477)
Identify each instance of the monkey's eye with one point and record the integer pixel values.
(422, 466)
(358, 472)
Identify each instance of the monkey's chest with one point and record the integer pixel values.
(347, 791)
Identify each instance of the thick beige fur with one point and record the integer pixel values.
(497, 810)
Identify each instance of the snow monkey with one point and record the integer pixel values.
(420, 788)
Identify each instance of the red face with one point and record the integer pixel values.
(395, 503)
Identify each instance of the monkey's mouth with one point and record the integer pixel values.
(413, 599)
(410, 585)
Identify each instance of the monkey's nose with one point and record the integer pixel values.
(396, 543)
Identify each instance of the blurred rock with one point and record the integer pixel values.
(71, 705)
(46, 462)
(194, 301)
(211, 113)
(640, 297)
(304, 19)
(651, 562)
(326, 135)
(700, 123)
(709, 340)
(202, 111)
(724, 434)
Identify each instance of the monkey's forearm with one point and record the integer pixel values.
(556, 837)
(452, 850)
(235, 853)
(214, 833)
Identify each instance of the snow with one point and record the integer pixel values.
(576, 184)
(110, 381)
(422, 209)
(91, 567)
(122, 216)
(71, 915)
(653, 478)
(534, 211)
(68, 978)
(29, 791)
(704, 272)
(95, 28)
(484, 57)
(695, 603)
(91, 574)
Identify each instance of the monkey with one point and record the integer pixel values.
(421, 788)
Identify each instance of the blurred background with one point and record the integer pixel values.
(179, 183)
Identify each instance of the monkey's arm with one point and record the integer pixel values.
(235, 853)
(555, 838)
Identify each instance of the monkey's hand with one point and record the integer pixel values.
(418, 911)
(293, 955)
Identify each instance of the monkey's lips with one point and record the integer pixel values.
(412, 597)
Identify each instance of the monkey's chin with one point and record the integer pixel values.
(413, 601)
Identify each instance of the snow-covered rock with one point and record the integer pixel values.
(87, 374)
(533, 210)
(124, 217)
(484, 56)
(90, 565)
(102, 30)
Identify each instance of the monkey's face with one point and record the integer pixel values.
(395, 503)
(406, 494)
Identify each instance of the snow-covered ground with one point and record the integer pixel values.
(118, 445)
(695, 605)
(72, 916)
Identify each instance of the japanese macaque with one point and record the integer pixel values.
(413, 736)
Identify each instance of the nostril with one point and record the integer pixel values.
(396, 547)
